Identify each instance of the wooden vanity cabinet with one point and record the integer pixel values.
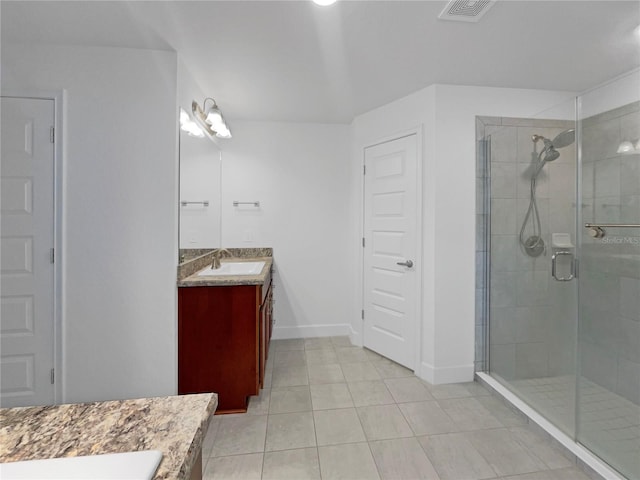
(223, 341)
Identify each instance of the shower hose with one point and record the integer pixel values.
(532, 211)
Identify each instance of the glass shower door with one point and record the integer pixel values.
(564, 336)
(608, 407)
(531, 184)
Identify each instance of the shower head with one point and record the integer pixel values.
(564, 139)
(550, 154)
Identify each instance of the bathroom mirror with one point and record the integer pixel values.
(200, 187)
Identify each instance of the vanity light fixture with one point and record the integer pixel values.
(627, 146)
(210, 119)
(189, 126)
(324, 3)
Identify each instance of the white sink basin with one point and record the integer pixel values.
(131, 466)
(233, 268)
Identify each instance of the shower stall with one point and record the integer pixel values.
(558, 260)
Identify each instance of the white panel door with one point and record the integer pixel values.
(27, 236)
(390, 228)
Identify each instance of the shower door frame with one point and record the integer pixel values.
(484, 158)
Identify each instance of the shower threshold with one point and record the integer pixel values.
(584, 456)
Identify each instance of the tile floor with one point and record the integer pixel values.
(610, 424)
(333, 411)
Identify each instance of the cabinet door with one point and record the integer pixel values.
(264, 340)
(219, 343)
(271, 318)
(266, 315)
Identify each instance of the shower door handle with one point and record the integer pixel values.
(553, 266)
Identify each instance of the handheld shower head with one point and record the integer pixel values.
(550, 154)
(563, 139)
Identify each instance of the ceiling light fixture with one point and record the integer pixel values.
(210, 119)
(324, 3)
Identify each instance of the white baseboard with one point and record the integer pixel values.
(355, 337)
(425, 372)
(441, 375)
(309, 331)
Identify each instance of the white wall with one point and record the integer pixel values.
(119, 213)
(615, 93)
(447, 114)
(300, 173)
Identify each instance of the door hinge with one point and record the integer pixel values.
(53, 376)
(363, 241)
(364, 169)
(52, 255)
(52, 134)
(362, 314)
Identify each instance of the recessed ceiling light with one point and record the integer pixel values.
(324, 3)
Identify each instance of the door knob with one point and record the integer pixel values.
(407, 264)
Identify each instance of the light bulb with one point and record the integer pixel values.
(194, 130)
(625, 147)
(214, 117)
(184, 117)
(224, 132)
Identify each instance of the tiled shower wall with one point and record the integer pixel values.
(609, 331)
(532, 328)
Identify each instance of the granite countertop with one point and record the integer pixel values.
(174, 425)
(188, 271)
(194, 280)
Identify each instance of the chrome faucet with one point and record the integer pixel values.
(217, 255)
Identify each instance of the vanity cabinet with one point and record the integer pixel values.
(223, 341)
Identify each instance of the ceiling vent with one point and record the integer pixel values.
(465, 10)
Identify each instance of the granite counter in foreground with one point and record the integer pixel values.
(174, 425)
